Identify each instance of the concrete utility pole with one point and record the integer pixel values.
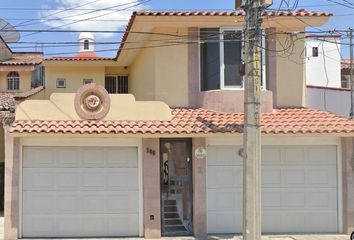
(252, 224)
(351, 75)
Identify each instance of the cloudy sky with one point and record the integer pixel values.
(112, 15)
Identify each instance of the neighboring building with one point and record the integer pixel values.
(345, 73)
(327, 87)
(160, 154)
(323, 60)
(20, 77)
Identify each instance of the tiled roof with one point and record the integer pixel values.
(26, 94)
(200, 121)
(298, 13)
(86, 55)
(25, 58)
(86, 58)
(7, 103)
(345, 64)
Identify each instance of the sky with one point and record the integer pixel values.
(80, 15)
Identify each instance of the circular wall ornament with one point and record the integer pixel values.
(92, 102)
(200, 153)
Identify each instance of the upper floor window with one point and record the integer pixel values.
(220, 58)
(116, 84)
(315, 52)
(87, 81)
(13, 81)
(61, 83)
(86, 45)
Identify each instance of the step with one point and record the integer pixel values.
(172, 222)
(171, 215)
(170, 209)
(169, 202)
(175, 229)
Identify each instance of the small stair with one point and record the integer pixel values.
(172, 223)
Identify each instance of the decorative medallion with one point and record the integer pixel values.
(92, 102)
(200, 153)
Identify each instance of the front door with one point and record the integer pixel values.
(176, 187)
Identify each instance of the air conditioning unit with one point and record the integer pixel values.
(241, 3)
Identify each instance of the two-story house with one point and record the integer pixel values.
(20, 77)
(150, 143)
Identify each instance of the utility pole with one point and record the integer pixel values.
(252, 224)
(351, 115)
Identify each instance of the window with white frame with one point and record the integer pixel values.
(220, 58)
(13, 81)
(116, 84)
(61, 83)
(87, 81)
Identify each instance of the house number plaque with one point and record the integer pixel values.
(200, 153)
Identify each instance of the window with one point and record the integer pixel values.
(13, 81)
(345, 82)
(61, 83)
(116, 84)
(87, 81)
(315, 52)
(220, 58)
(86, 45)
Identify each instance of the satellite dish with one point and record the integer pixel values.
(8, 32)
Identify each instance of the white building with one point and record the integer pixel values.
(323, 75)
(323, 61)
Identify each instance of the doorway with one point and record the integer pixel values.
(176, 187)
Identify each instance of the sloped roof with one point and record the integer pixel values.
(7, 103)
(24, 58)
(200, 121)
(297, 13)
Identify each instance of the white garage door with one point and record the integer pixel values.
(299, 189)
(80, 192)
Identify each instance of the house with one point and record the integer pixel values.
(163, 156)
(21, 78)
(327, 84)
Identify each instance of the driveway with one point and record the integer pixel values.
(275, 237)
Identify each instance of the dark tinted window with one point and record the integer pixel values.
(232, 58)
(210, 59)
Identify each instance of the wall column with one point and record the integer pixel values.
(271, 62)
(151, 187)
(12, 179)
(199, 191)
(348, 184)
(193, 67)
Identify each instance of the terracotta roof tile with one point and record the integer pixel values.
(85, 58)
(345, 64)
(24, 58)
(7, 103)
(25, 94)
(200, 121)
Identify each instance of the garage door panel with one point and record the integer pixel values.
(122, 179)
(271, 176)
(322, 155)
(232, 176)
(38, 157)
(224, 222)
(81, 196)
(121, 158)
(231, 199)
(224, 156)
(271, 155)
(123, 223)
(297, 192)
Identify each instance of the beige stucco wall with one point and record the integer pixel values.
(161, 73)
(25, 80)
(290, 71)
(74, 75)
(142, 76)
